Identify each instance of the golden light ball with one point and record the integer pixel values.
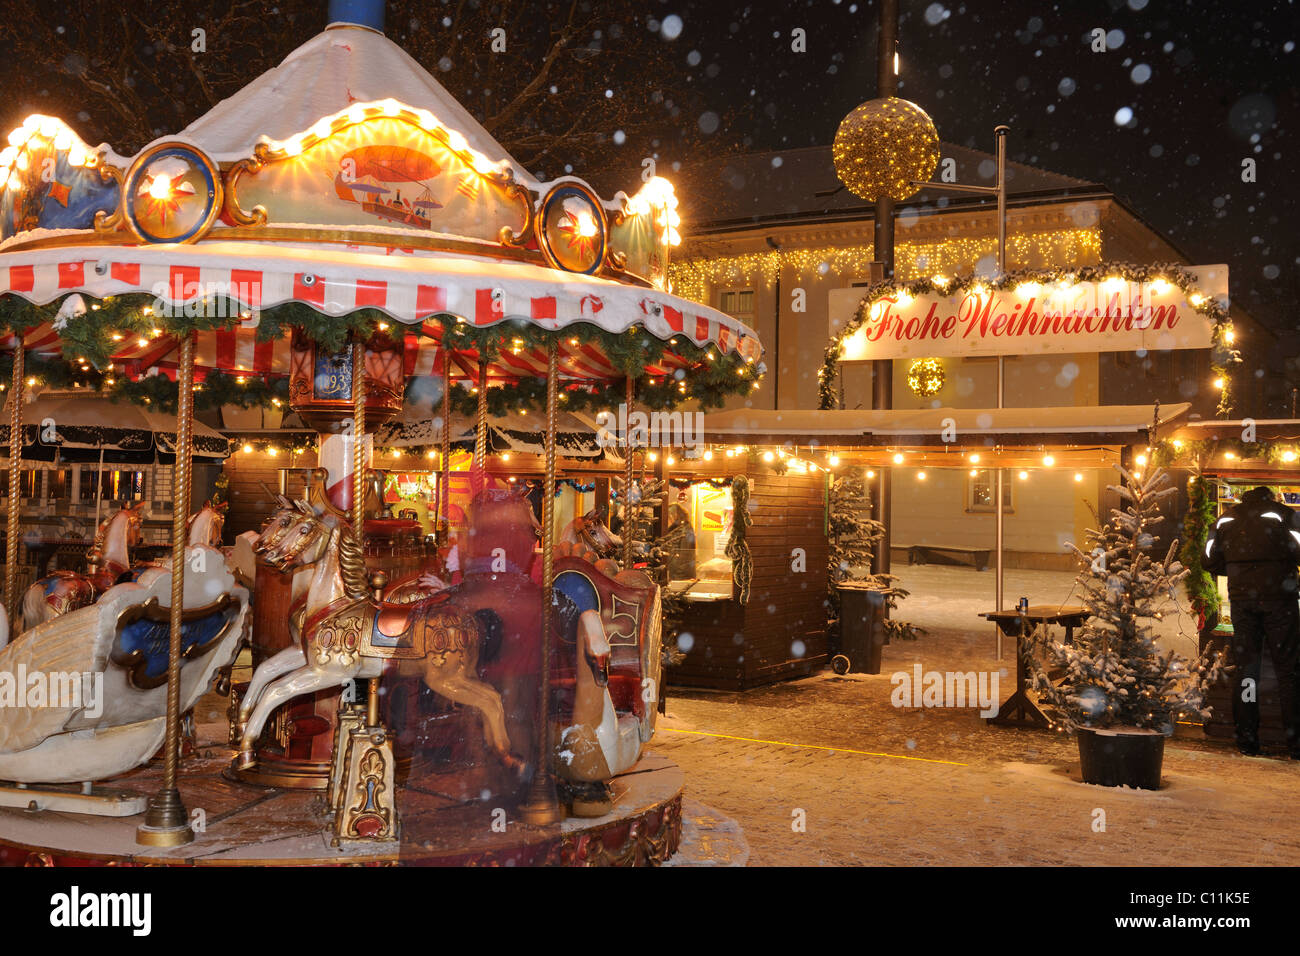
(883, 146)
(925, 377)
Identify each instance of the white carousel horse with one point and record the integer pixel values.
(104, 709)
(590, 530)
(599, 740)
(65, 591)
(347, 635)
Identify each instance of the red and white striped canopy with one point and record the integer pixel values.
(409, 285)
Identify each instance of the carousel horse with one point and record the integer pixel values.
(590, 530)
(107, 713)
(349, 635)
(607, 619)
(65, 591)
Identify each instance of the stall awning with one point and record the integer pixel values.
(1009, 427)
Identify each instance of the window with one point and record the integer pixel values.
(114, 485)
(699, 525)
(979, 491)
(737, 303)
(58, 484)
(28, 482)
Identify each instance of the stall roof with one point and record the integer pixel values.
(1265, 429)
(1098, 424)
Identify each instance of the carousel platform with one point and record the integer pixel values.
(246, 825)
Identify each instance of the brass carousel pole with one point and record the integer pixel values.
(542, 805)
(15, 463)
(480, 420)
(166, 822)
(359, 486)
(627, 478)
(443, 519)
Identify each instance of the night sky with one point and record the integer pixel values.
(1164, 118)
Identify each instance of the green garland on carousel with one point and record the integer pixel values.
(1225, 355)
(90, 339)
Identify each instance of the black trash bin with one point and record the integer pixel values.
(862, 626)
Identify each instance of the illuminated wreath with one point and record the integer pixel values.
(925, 377)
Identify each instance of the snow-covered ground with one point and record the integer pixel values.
(947, 596)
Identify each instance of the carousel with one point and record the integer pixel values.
(343, 240)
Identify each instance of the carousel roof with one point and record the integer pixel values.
(343, 65)
(348, 178)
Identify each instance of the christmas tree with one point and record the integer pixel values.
(853, 535)
(1114, 675)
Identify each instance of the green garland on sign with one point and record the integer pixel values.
(1225, 355)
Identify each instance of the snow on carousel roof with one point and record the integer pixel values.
(341, 66)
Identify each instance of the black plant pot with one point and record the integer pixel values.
(1121, 757)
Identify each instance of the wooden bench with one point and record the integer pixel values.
(921, 554)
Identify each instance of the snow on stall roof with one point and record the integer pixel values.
(797, 183)
(892, 424)
(343, 65)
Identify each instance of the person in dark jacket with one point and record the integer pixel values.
(1257, 545)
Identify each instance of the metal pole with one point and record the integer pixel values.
(630, 395)
(444, 494)
(542, 805)
(882, 370)
(480, 421)
(359, 487)
(1001, 135)
(166, 821)
(15, 464)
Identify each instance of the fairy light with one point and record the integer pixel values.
(248, 449)
(1078, 476)
(833, 461)
(898, 458)
(1288, 456)
(768, 456)
(1141, 459)
(693, 278)
(1048, 461)
(975, 458)
(1024, 475)
(920, 476)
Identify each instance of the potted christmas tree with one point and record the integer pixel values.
(1120, 694)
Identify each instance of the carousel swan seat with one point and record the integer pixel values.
(105, 667)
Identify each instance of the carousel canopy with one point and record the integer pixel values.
(348, 182)
(522, 433)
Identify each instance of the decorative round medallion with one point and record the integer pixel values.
(883, 146)
(172, 194)
(573, 230)
(925, 377)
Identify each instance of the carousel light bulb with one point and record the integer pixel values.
(1049, 461)
(425, 119)
(974, 472)
(63, 139)
(871, 474)
(382, 326)
(1288, 456)
(506, 456)
(920, 476)
(8, 155)
(898, 458)
(142, 342)
(670, 461)
(31, 381)
(77, 155)
(586, 224)
(708, 456)
(768, 456)
(1177, 444)
(322, 129)
(730, 453)
(273, 451)
(13, 182)
(391, 108)
(17, 136)
(356, 113)
(653, 456)
(456, 141)
(22, 161)
(161, 187)
(1024, 475)
(292, 147)
(48, 127)
(1078, 476)
(975, 459)
(429, 455)
(1229, 455)
(116, 336)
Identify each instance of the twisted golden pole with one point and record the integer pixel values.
(444, 496)
(166, 822)
(15, 466)
(359, 487)
(627, 475)
(542, 806)
(480, 421)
